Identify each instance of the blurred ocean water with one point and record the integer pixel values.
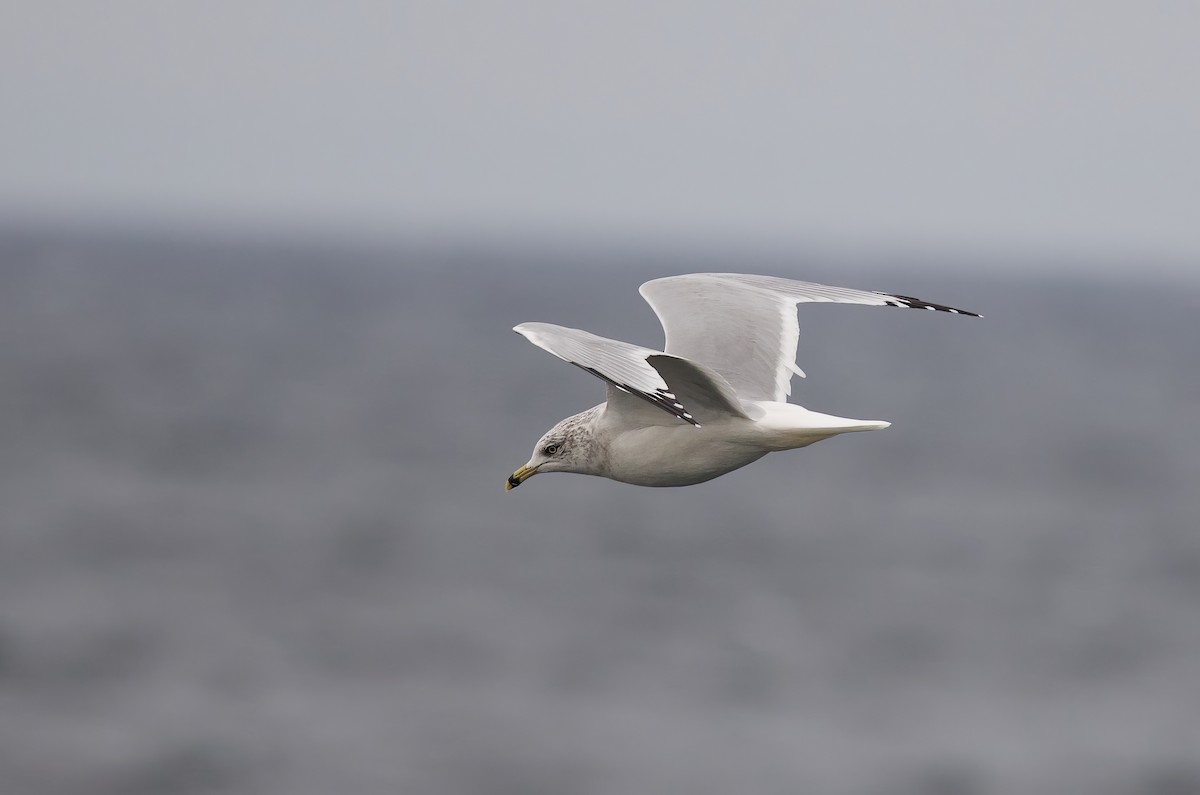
(253, 537)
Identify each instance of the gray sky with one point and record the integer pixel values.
(1060, 128)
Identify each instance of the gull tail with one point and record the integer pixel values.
(787, 425)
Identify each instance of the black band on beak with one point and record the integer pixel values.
(513, 482)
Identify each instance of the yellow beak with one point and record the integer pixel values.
(520, 476)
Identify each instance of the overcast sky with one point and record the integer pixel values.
(1062, 128)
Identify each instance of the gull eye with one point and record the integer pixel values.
(550, 449)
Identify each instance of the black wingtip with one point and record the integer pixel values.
(908, 302)
(663, 398)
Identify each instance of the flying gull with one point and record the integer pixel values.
(714, 400)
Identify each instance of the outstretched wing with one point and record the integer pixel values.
(745, 328)
(685, 389)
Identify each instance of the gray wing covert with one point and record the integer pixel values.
(745, 326)
(684, 389)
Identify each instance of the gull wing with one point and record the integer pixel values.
(745, 327)
(684, 389)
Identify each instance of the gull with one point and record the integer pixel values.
(713, 400)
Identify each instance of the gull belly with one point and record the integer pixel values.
(682, 455)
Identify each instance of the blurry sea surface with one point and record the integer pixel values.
(254, 537)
